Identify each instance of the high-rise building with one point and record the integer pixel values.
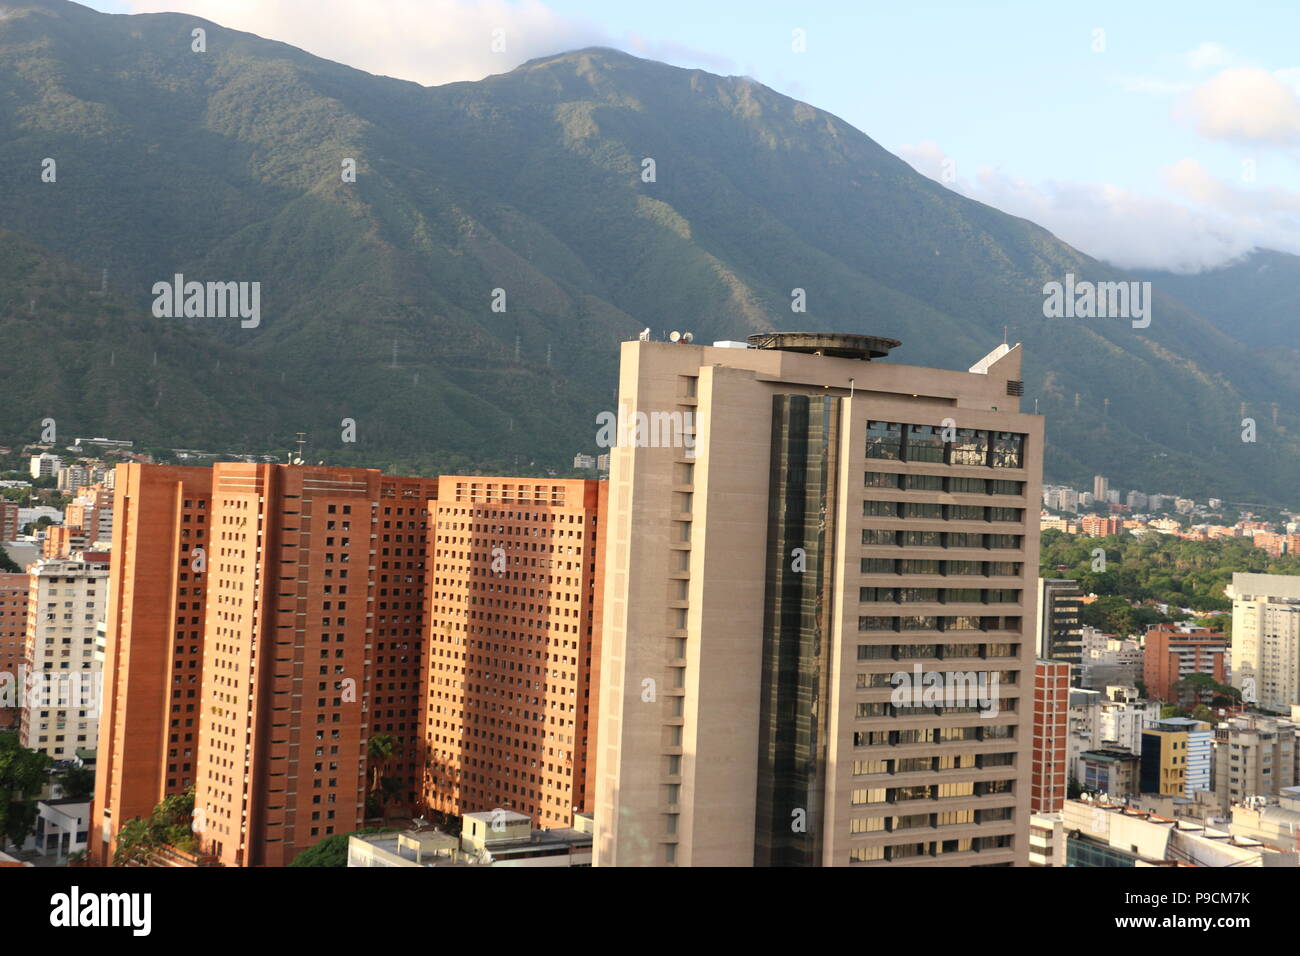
(513, 626)
(1266, 639)
(13, 644)
(1174, 652)
(801, 542)
(153, 645)
(279, 607)
(1060, 622)
(1051, 753)
(1254, 756)
(65, 600)
(1100, 485)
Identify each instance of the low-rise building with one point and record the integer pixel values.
(495, 838)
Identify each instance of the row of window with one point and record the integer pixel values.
(893, 441)
(888, 537)
(870, 854)
(907, 652)
(987, 569)
(932, 622)
(949, 483)
(937, 512)
(939, 595)
(932, 735)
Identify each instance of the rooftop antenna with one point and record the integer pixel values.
(516, 348)
(394, 353)
(300, 442)
(1004, 335)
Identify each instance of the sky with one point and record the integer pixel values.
(1163, 134)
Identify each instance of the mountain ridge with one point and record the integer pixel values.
(225, 166)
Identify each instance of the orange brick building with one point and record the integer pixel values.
(1050, 756)
(1170, 654)
(153, 658)
(13, 636)
(258, 668)
(510, 688)
(8, 521)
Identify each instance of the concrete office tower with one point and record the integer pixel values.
(793, 530)
(1100, 487)
(153, 648)
(1051, 753)
(513, 601)
(1253, 757)
(1060, 621)
(13, 645)
(266, 624)
(65, 600)
(1266, 639)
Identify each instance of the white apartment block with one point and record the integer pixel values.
(60, 712)
(1266, 639)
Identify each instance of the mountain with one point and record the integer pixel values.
(377, 295)
(1252, 299)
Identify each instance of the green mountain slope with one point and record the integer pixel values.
(377, 295)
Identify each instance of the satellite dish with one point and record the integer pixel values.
(687, 337)
(674, 336)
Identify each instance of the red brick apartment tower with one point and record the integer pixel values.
(1050, 757)
(13, 637)
(293, 679)
(1170, 654)
(153, 658)
(513, 630)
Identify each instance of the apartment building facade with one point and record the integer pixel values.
(1266, 639)
(66, 600)
(513, 629)
(796, 533)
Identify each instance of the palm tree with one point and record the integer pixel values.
(380, 749)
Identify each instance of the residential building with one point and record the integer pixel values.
(13, 645)
(65, 600)
(1174, 652)
(1175, 757)
(1110, 771)
(9, 526)
(1051, 752)
(509, 702)
(1254, 756)
(1275, 823)
(792, 527)
(295, 596)
(1047, 839)
(45, 465)
(1266, 639)
(1100, 485)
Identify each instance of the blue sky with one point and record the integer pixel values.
(1169, 139)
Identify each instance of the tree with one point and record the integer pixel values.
(7, 564)
(22, 772)
(333, 850)
(77, 782)
(380, 750)
(170, 824)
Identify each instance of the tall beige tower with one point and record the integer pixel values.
(818, 638)
(1266, 639)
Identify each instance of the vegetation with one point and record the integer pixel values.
(1155, 568)
(22, 772)
(77, 782)
(376, 296)
(333, 850)
(170, 824)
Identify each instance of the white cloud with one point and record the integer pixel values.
(428, 41)
(1210, 222)
(1207, 55)
(1245, 105)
